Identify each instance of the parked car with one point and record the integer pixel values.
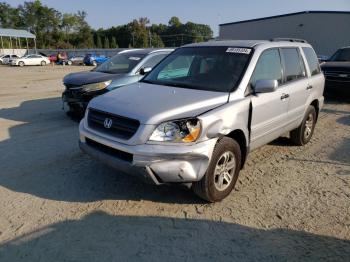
(337, 71)
(94, 60)
(76, 60)
(123, 68)
(1, 56)
(33, 59)
(5, 60)
(195, 117)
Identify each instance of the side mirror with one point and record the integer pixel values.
(265, 86)
(145, 70)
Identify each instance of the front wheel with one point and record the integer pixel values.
(43, 63)
(94, 63)
(222, 172)
(302, 135)
(21, 64)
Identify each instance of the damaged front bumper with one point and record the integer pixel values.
(78, 100)
(156, 163)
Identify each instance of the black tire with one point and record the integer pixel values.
(21, 63)
(94, 63)
(206, 188)
(43, 63)
(303, 134)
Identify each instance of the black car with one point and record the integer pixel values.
(122, 69)
(337, 71)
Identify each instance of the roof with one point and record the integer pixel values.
(237, 43)
(146, 51)
(285, 15)
(15, 33)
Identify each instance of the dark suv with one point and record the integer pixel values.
(337, 71)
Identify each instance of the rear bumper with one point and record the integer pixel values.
(156, 163)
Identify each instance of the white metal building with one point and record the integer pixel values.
(325, 30)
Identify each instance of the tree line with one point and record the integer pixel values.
(54, 29)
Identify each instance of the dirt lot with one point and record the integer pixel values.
(57, 204)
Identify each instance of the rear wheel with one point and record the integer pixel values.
(302, 135)
(43, 63)
(222, 173)
(21, 63)
(69, 62)
(94, 63)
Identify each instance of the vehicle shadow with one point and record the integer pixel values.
(103, 237)
(40, 156)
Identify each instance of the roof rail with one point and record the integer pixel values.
(288, 40)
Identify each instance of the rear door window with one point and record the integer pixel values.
(312, 60)
(152, 61)
(294, 68)
(268, 67)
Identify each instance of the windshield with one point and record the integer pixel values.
(204, 68)
(341, 55)
(120, 63)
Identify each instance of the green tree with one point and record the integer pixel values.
(106, 43)
(114, 42)
(69, 21)
(98, 41)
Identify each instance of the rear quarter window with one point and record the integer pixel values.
(312, 60)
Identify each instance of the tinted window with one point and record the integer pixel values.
(204, 68)
(342, 55)
(151, 62)
(268, 67)
(294, 66)
(312, 60)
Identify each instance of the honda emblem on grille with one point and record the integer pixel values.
(108, 123)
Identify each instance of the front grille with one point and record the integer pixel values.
(341, 76)
(121, 127)
(110, 151)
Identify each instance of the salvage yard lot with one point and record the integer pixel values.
(58, 204)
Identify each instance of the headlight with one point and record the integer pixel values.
(96, 86)
(179, 131)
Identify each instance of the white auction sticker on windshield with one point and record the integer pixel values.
(134, 58)
(238, 50)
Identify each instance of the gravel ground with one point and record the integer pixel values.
(291, 203)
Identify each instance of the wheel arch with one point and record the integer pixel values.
(239, 136)
(315, 103)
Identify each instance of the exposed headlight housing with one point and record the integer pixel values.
(178, 131)
(96, 86)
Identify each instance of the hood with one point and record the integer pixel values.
(83, 78)
(336, 66)
(153, 104)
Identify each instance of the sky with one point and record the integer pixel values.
(107, 13)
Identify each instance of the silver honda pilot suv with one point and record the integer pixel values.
(195, 117)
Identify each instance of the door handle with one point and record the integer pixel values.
(309, 87)
(284, 96)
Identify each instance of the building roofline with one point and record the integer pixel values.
(285, 15)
